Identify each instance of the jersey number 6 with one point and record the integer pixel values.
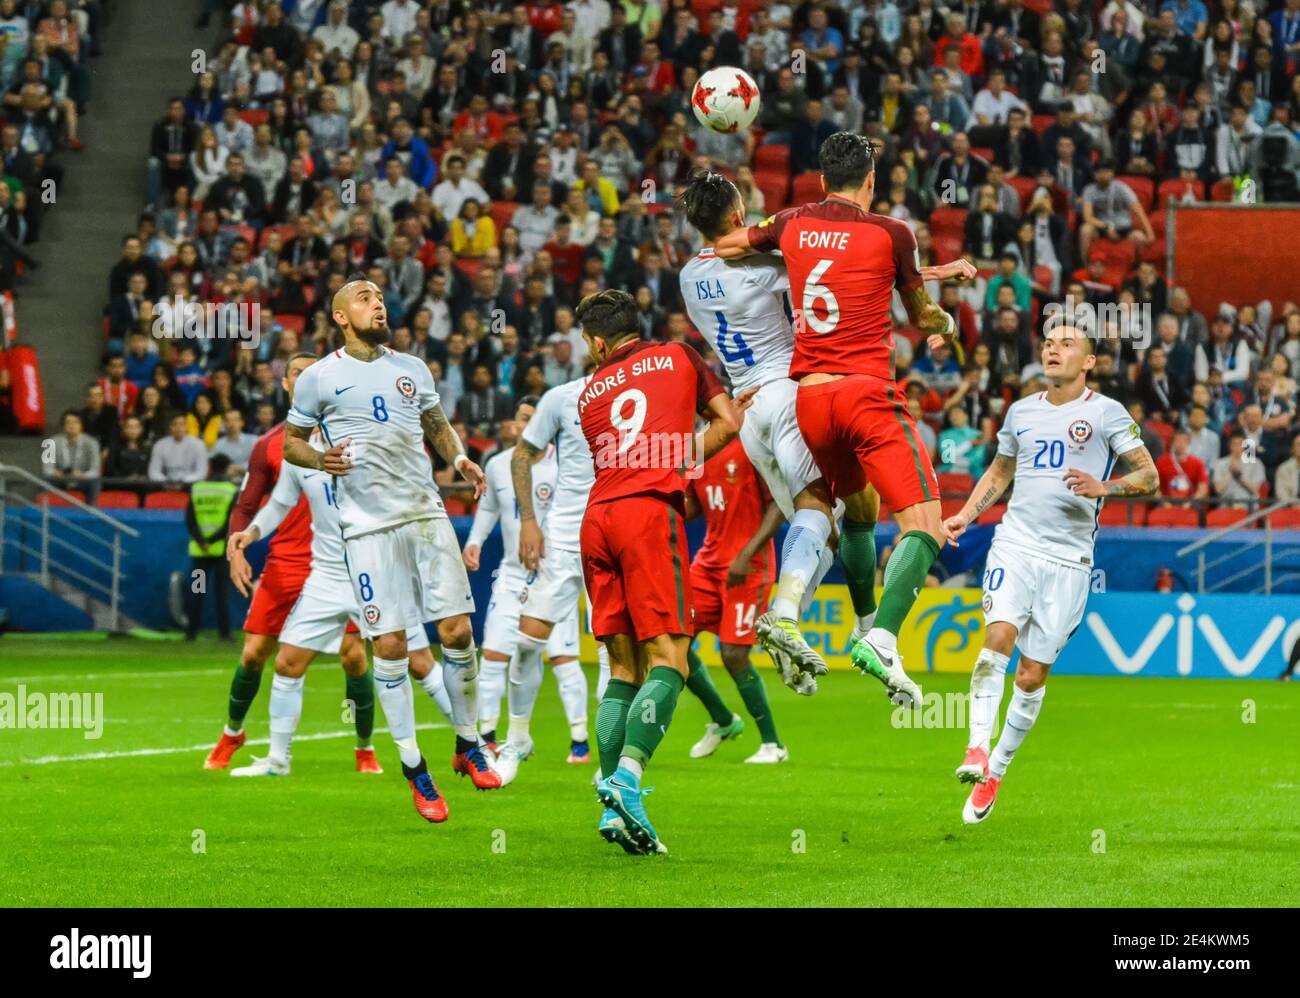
(813, 292)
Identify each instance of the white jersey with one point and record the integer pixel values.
(556, 422)
(377, 405)
(740, 309)
(319, 488)
(1047, 440)
(499, 504)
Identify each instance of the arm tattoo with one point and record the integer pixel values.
(996, 480)
(924, 314)
(521, 474)
(1142, 479)
(298, 449)
(444, 438)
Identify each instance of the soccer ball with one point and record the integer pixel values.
(726, 99)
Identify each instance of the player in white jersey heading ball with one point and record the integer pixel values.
(375, 407)
(325, 606)
(512, 588)
(740, 309)
(1060, 446)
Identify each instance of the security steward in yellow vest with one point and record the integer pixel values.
(207, 518)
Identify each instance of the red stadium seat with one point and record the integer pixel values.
(255, 116)
(1222, 190)
(1143, 187)
(774, 157)
(502, 212)
(1174, 516)
(166, 500)
(775, 185)
(993, 514)
(948, 221)
(117, 499)
(1175, 190)
(983, 152)
(1159, 219)
(807, 187)
(1224, 517)
(946, 246)
(956, 482)
(1155, 252)
(1285, 519)
(52, 499)
(1123, 514)
(1025, 188)
(1118, 253)
(1041, 122)
(950, 507)
(295, 322)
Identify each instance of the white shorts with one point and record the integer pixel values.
(1043, 599)
(405, 575)
(320, 616)
(511, 593)
(770, 435)
(554, 594)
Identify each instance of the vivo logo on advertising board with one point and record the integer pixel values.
(1210, 636)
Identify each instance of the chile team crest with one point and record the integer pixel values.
(1080, 432)
(406, 387)
(371, 613)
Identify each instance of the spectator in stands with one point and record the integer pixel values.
(1239, 475)
(1203, 441)
(202, 420)
(1229, 353)
(132, 261)
(1276, 415)
(1286, 480)
(119, 393)
(1182, 474)
(141, 358)
(178, 458)
(128, 459)
(1112, 211)
(73, 462)
(234, 443)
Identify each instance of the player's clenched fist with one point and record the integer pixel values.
(337, 460)
(954, 527)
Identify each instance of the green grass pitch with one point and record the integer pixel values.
(1191, 804)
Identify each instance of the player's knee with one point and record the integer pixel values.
(421, 663)
(455, 632)
(354, 661)
(735, 658)
(1030, 675)
(290, 663)
(255, 652)
(390, 646)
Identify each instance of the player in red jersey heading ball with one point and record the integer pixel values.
(844, 263)
(638, 414)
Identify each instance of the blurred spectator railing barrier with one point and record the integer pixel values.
(87, 551)
(1264, 515)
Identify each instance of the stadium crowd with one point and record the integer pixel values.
(489, 164)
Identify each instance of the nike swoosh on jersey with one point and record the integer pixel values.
(340, 391)
(1025, 430)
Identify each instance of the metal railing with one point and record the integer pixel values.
(105, 555)
(1251, 541)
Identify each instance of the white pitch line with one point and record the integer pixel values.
(93, 756)
(84, 676)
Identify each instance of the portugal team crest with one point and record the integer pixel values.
(371, 613)
(1080, 431)
(406, 387)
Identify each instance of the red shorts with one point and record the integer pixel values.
(277, 591)
(636, 566)
(730, 613)
(859, 430)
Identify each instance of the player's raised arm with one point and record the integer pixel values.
(767, 528)
(987, 491)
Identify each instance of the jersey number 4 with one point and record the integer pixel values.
(743, 351)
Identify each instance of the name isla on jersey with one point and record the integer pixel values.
(610, 382)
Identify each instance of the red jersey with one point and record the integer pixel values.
(733, 497)
(844, 263)
(291, 541)
(638, 415)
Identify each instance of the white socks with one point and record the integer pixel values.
(986, 685)
(460, 674)
(1021, 715)
(573, 694)
(491, 689)
(525, 682)
(801, 555)
(823, 566)
(394, 693)
(286, 709)
(434, 686)
(602, 674)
